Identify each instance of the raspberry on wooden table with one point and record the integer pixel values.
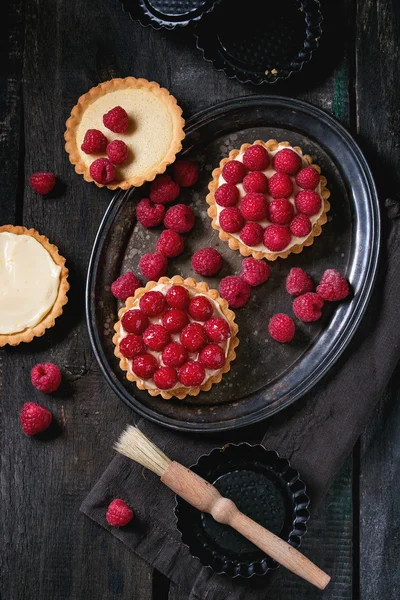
(193, 337)
(308, 202)
(116, 120)
(174, 320)
(46, 377)
(148, 213)
(179, 218)
(174, 355)
(255, 182)
(281, 211)
(287, 161)
(256, 158)
(152, 303)
(177, 297)
(206, 262)
(42, 182)
(134, 321)
(200, 308)
(300, 226)
(170, 243)
(94, 142)
(233, 171)
(153, 265)
(156, 337)
(255, 272)
(254, 207)
(144, 366)
(165, 378)
(298, 282)
(227, 195)
(333, 286)
(212, 357)
(307, 307)
(185, 173)
(235, 291)
(125, 286)
(131, 345)
(191, 374)
(217, 330)
(117, 152)
(231, 219)
(307, 178)
(277, 237)
(118, 513)
(252, 234)
(34, 418)
(102, 171)
(281, 328)
(280, 185)
(164, 190)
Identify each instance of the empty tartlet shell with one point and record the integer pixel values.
(200, 288)
(27, 335)
(237, 244)
(111, 86)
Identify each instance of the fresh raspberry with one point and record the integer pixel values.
(206, 262)
(212, 357)
(226, 195)
(256, 158)
(280, 185)
(307, 307)
(200, 308)
(233, 171)
(308, 202)
(116, 120)
(134, 321)
(34, 418)
(185, 173)
(217, 330)
(287, 161)
(307, 178)
(193, 337)
(255, 272)
(254, 207)
(301, 225)
(179, 218)
(164, 190)
(94, 142)
(153, 265)
(144, 366)
(46, 377)
(165, 378)
(231, 219)
(131, 345)
(170, 243)
(281, 328)
(156, 337)
(277, 237)
(174, 355)
(174, 320)
(125, 286)
(281, 211)
(149, 214)
(235, 290)
(152, 303)
(191, 374)
(118, 513)
(252, 234)
(177, 297)
(255, 182)
(298, 282)
(42, 182)
(333, 286)
(117, 152)
(102, 171)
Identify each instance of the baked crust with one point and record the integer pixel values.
(237, 244)
(27, 335)
(200, 288)
(112, 86)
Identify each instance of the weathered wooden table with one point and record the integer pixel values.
(51, 52)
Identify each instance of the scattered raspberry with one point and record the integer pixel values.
(185, 173)
(152, 303)
(298, 282)
(170, 243)
(34, 418)
(156, 337)
(212, 357)
(252, 234)
(191, 374)
(226, 195)
(42, 182)
(256, 158)
(200, 308)
(254, 207)
(177, 297)
(102, 171)
(287, 161)
(255, 272)
(307, 178)
(281, 328)
(125, 286)
(277, 237)
(206, 262)
(144, 366)
(149, 214)
(165, 378)
(281, 211)
(301, 225)
(134, 321)
(153, 265)
(233, 171)
(163, 190)
(333, 286)
(280, 185)
(174, 355)
(132, 345)
(255, 182)
(217, 330)
(231, 219)
(193, 337)
(118, 513)
(116, 120)
(179, 218)
(117, 152)
(174, 320)
(46, 377)
(307, 307)
(94, 142)
(235, 291)
(308, 202)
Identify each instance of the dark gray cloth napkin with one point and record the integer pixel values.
(316, 434)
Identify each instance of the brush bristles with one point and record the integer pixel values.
(136, 446)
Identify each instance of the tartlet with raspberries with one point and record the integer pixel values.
(175, 337)
(268, 199)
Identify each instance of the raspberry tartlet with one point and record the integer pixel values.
(268, 199)
(175, 337)
(143, 117)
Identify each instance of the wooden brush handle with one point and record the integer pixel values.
(205, 497)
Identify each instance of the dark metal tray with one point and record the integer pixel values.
(266, 376)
